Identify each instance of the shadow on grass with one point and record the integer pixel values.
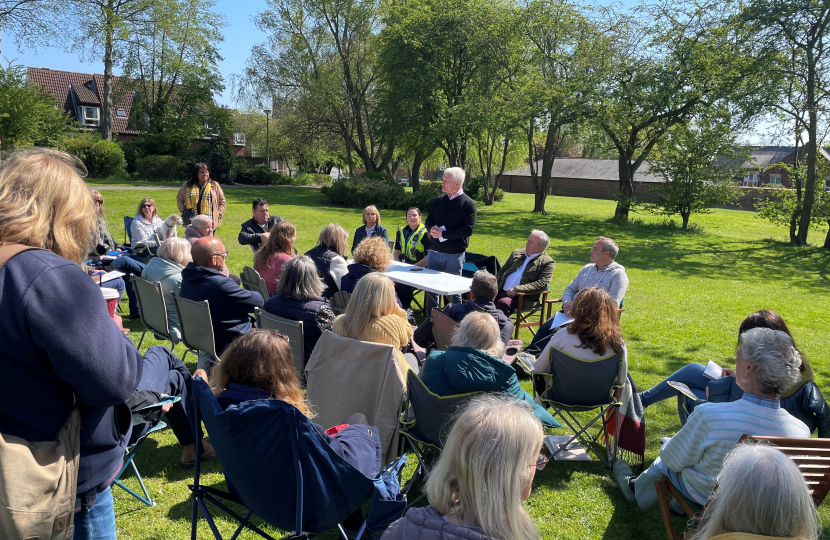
(628, 521)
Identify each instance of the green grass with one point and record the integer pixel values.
(688, 293)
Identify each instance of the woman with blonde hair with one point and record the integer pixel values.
(272, 255)
(166, 268)
(761, 494)
(372, 255)
(373, 315)
(484, 474)
(329, 256)
(371, 228)
(146, 227)
(60, 344)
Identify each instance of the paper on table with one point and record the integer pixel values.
(559, 319)
(442, 228)
(713, 371)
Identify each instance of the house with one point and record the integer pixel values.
(582, 177)
(764, 166)
(82, 95)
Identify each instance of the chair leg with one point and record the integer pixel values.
(140, 341)
(665, 511)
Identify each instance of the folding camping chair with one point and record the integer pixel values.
(292, 329)
(128, 222)
(426, 421)
(153, 310)
(196, 326)
(281, 469)
(252, 281)
(574, 385)
(443, 327)
(339, 302)
(523, 313)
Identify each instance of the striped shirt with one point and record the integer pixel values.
(697, 451)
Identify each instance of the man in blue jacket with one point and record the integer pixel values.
(230, 304)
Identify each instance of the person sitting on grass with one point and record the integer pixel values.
(259, 365)
(473, 364)
(766, 364)
(761, 495)
(278, 250)
(484, 473)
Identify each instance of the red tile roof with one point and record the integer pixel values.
(89, 90)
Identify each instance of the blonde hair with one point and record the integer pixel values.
(760, 491)
(176, 250)
(479, 330)
(155, 208)
(333, 238)
(95, 194)
(44, 203)
(374, 253)
(373, 297)
(371, 207)
(485, 466)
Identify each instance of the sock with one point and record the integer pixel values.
(631, 480)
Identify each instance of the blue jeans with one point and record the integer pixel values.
(117, 284)
(451, 263)
(691, 375)
(98, 521)
(129, 264)
(646, 493)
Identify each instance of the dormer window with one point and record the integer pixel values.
(239, 139)
(121, 113)
(89, 116)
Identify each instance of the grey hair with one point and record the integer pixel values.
(760, 491)
(775, 355)
(299, 279)
(176, 250)
(610, 246)
(479, 330)
(200, 221)
(456, 173)
(485, 286)
(544, 239)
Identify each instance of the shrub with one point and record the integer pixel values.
(475, 190)
(258, 175)
(220, 159)
(380, 190)
(312, 179)
(160, 167)
(101, 158)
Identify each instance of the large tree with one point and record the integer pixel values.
(28, 114)
(32, 22)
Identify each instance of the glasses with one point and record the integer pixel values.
(145, 205)
(541, 461)
(99, 201)
(223, 254)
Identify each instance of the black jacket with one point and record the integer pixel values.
(322, 257)
(458, 216)
(360, 235)
(252, 231)
(458, 311)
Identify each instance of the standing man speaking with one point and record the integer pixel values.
(451, 222)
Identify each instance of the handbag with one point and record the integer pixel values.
(189, 213)
(38, 479)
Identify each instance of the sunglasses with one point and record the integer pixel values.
(541, 461)
(99, 201)
(223, 254)
(145, 205)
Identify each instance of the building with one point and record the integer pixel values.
(765, 166)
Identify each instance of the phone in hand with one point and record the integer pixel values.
(511, 350)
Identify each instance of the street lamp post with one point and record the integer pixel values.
(267, 138)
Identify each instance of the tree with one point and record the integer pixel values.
(28, 114)
(698, 162)
(797, 32)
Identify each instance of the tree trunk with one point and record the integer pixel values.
(685, 216)
(827, 238)
(106, 105)
(415, 174)
(798, 194)
(548, 157)
(626, 188)
(812, 149)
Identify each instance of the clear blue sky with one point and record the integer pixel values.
(240, 36)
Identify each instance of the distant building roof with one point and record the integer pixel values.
(590, 169)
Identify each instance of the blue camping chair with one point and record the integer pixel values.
(128, 222)
(283, 471)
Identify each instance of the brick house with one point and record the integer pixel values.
(82, 95)
(763, 168)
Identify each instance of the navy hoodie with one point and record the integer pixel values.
(58, 338)
(230, 304)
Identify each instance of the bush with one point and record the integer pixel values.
(475, 190)
(381, 190)
(160, 167)
(312, 179)
(258, 175)
(220, 159)
(101, 158)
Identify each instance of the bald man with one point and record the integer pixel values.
(230, 304)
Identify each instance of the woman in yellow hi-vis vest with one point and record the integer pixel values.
(411, 246)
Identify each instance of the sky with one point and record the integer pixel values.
(240, 36)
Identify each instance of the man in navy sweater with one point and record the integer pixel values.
(451, 222)
(230, 304)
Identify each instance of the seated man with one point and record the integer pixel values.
(602, 272)
(230, 304)
(255, 231)
(767, 364)
(482, 292)
(527, 271)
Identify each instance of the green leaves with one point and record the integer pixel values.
(28, 115)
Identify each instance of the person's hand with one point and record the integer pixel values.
(566, 307)
(166, 408)
(201, 373)
(511, 292)
(435, 232)
(726, 373)
(264, 237)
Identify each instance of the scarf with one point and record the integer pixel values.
(628, 424)
(192, 199)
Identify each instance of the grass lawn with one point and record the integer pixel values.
(688, 293)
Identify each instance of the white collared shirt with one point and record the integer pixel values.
(515, 278)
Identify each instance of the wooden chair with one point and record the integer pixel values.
(443, 328)
(524, 313)
(339, 302)
(811, 455)
(252, 281)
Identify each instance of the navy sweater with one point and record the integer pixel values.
(458, 216)
(229, 303)
(58, 338)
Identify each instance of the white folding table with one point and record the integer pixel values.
(428, 280)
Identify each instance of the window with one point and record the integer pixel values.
(775, 179)
(89, 116)
(121, 113)
(239, 139)
(751, 180)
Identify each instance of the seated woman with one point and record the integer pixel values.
(330, 257)
(594, 333)
(494, 443)
(371, 256)
(473, 364)
(200, 226)
(411, 246)
(761, 495)
(146, 227)
(373, 315)
(258, 365)
(804, 400)
(298, 299)
(272, 255)
(166, 268)
(371, 228)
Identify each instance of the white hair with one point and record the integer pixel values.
(299, 279)
(544, 239)
(479, 330)
(199, 222)
(774, 353)
(176, 250)
(457, 174)
(760, 491)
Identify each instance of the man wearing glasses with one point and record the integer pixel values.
(230, 304)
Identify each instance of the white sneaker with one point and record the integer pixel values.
(622, 473)
(664, 440)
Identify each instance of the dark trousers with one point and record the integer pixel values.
(506, 303)
(405, 293)
(542, 337)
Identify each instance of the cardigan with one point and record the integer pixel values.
(217, 202)
(392, 329)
